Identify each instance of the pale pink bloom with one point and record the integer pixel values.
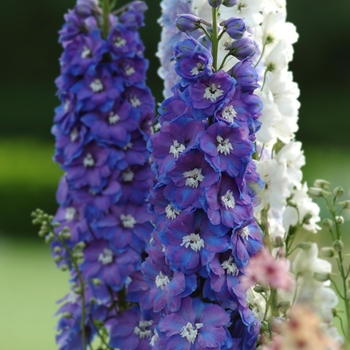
(264, 269)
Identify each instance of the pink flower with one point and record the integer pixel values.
(264, 269)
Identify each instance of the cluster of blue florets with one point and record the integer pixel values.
(101, 127)
(203, 201)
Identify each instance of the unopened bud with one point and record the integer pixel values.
(291, 203)
(64, 267)
(316, 192)
(321, 183)
(96, 281)
(338, 192)
(345, 204)
(187, 23)
(215, 3)
(49, 238)
(348, 294)
(80, 245)
(321, 276)
(338, 246)
(284, 306)
(327, 224)
(65, 234)
(327, 252)
(279, 242)
(242, 48)
(304, 245)
(77, 290)
(67, 315)
(57, 249)
(307, 218)
(80, 261)
(78, 255)
(229, 3)
(235, 27)
(259, 289)
(58, 258)
(339, 220)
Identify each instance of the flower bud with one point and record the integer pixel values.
(327, 224)
(338, 246)
(316, 192)
(304, 245)
(279, 242)
(283, 306)
(338, 192)
(242, 48)
(58, 258)
(235, 27)
(327, 252)
(49, 238)
(215, 3)
(345, 204)
(321, 276)
(80, 245)
(339, 220)
(187, 23)
(64, 267)
(259, 289)
(321, 183)
(67, 315)
(229, 3)
(307, 218)
(96, 281)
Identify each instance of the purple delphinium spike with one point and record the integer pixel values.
(101, 130)
(202, 204)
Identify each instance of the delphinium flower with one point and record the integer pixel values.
(203, 203)
(284, 205)
(101, 130)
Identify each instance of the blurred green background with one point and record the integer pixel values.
(30, 284)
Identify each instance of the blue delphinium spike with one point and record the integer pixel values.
(101, 131)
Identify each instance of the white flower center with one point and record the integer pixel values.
(230, 267)
(229, 113)
(190, 332)
(128, 175)
(128, 221)
(213, 92)
(129, 145)
(141, 330)
(193, 177)
(228, 200)
(96, 85)
(70, 213)
(88, 160)
(161, 280)
(135, 102)
(74, 134)
(194, 241)
(198, 69)
(245, 232)
(119, 41)
(86, 52)
(176, 148)
(223, 146)
(72, 297)
(171, 212)
(129, 71)
(154, 338)
(106, 257)
(113, 118)
(66, 106)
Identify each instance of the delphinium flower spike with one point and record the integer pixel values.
(101, 130)
(203, 202)
(284, 206)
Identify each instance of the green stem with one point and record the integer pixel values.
(99, 335)
(224, 61)
(106, 10)
(215, 41)
(82, 287)
(262, 53)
